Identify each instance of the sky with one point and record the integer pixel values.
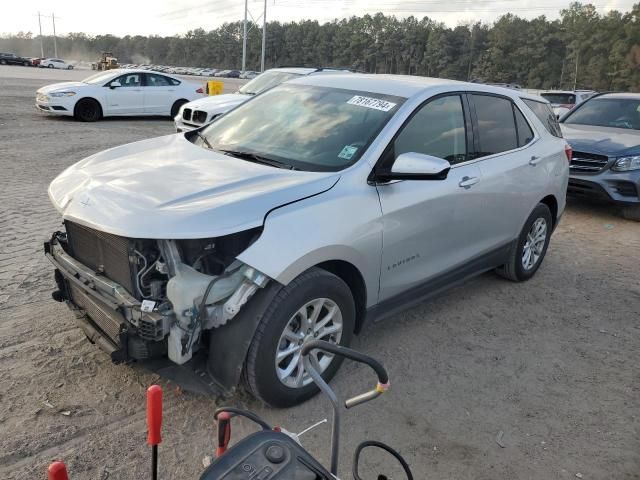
(170, 17)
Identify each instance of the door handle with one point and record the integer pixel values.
(467, 182)
(534, 161)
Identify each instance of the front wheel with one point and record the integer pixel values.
(316, 305)
(50, 65)
(529, 251)
(26, 64)
(70, 67)
(87, 110)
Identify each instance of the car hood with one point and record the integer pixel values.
(218, 103)
(609, 141)
(169, 188)
(59, 86)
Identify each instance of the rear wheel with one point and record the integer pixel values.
(316, 305)
(87, 110)
(69, 67)
(631, 213)
(527, 255)
(50, 65)
(176, 107)
(26, 64)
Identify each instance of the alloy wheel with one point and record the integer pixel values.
(319, 319)
(534, 244)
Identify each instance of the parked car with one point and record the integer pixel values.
(13, 59)
(36, 61)
(249, 74)
(604, 132)
(55, 63)
(564, 100)
(325, 203)
(205, 110)
(222, 73)
(117, 92)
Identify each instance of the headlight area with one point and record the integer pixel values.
(627, 164)
(207, 286)
(144, 297)
(62, 94)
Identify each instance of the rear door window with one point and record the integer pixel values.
(154, 80)
(545, 114)
(496, 125)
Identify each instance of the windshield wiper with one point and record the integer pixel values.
(254, 157)
(205, 140)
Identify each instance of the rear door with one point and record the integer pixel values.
(514, 165)
(430, 226)
(128, 99)
(159, 93)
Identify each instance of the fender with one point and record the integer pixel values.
(317, 229)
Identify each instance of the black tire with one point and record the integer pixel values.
(26, 64)
(260, 374)
(176, 107)
(49, 66)
(514, 269)
(631, 213)
(87, 110)
(3, 62)
(69, 67)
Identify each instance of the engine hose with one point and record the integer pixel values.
(243, 413)
(388, 449)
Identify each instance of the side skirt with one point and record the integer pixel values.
(439, 284)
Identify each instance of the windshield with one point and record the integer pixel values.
(304, 127)
(559, 98)
(607, 112)
(266, 81)
(101, 77)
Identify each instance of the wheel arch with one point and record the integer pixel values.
(88, 97)
(551, 202)
(350, 274)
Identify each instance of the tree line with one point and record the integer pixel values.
(581, 47)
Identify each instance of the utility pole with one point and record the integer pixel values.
(264, 35)
(244, 37)
(575, 78)
(41, 41)
(55, 44)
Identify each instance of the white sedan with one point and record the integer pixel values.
(55, 63)
(116, 93)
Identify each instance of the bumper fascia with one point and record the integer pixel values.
(604, 187)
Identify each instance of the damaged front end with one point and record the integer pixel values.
(140, 299)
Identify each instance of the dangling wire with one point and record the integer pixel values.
(388, 449)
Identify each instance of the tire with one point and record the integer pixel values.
(262, 377)
(26, 64)
(50, 66)
(3, 62)
(520, 268)
(176, 107)
(631, 213)
(87, 110)
(69, 67)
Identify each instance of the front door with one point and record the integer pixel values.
(128, 98)
(431, 226)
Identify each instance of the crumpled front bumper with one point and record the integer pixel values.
(109, 316)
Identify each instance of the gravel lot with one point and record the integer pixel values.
(552, 363)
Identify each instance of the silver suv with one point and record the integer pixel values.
(325, 203)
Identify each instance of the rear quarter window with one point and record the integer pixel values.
(545, 114)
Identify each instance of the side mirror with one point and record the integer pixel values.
(115, 84)
(416, 166)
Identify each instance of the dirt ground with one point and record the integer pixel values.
(553, 363)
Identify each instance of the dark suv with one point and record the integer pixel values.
(13, 59)
(604, 132)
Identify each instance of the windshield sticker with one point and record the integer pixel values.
(369, 102)
(347, 152)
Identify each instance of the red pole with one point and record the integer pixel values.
(57, 471)
(154, 425)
